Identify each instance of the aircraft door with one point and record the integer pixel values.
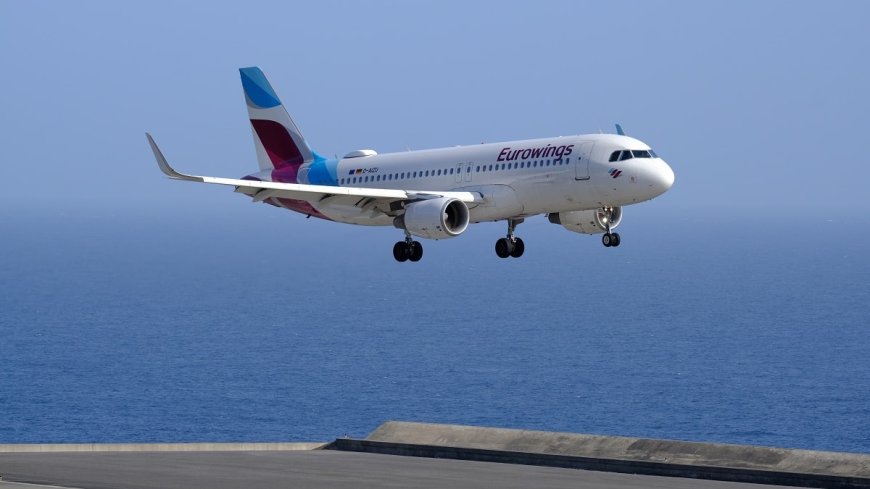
(459, 173)
(468, 171)
(581, 165)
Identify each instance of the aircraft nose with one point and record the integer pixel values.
(657, 177)
(664, 177)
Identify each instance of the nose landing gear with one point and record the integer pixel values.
(510, 245)
(407, 250)
(606, 216)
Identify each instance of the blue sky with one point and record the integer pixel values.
(756, 105)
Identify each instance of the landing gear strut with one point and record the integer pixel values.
(510, 245)
(609, 239)
(407, 250)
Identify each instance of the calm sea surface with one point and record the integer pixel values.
(261, 326)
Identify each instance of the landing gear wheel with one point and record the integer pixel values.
(519, 248)
(614, 239)
(607, 240)
(510, 245)
(400, 251)
(503, 248)
(416, 251)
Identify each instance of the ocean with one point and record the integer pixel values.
(187, 325)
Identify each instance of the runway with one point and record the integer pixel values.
(421, 455)
(311, 469)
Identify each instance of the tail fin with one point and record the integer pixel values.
(280, 145)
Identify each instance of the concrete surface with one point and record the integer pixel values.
(309, 469)
(623, 448)
(735, 463)
(158, 447)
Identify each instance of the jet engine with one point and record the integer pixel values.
(439, 218)
(588, 222)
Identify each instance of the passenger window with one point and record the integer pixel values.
(614, 156)
(625, 155)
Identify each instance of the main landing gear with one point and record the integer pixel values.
(610, 239)
(408, 250)
(510, 245)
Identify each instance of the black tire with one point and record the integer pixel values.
(502, 248)
(519, 248)
(615, 239)
(606, 240)
(416, 251)
(400, 251)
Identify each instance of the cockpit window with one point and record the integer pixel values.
(627, 154)
(641, 153)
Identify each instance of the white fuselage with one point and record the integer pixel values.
(516, 179)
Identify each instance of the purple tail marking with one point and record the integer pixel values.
(279, 146)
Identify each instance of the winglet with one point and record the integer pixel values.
(164, 165)
(619, 130)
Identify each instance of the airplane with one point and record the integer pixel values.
(579, 182)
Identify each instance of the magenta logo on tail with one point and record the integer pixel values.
(279, 146)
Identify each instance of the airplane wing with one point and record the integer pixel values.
(259, 191)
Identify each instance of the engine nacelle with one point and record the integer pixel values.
(434, 218)
(588, 222)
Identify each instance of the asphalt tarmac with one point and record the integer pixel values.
(310, 469)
